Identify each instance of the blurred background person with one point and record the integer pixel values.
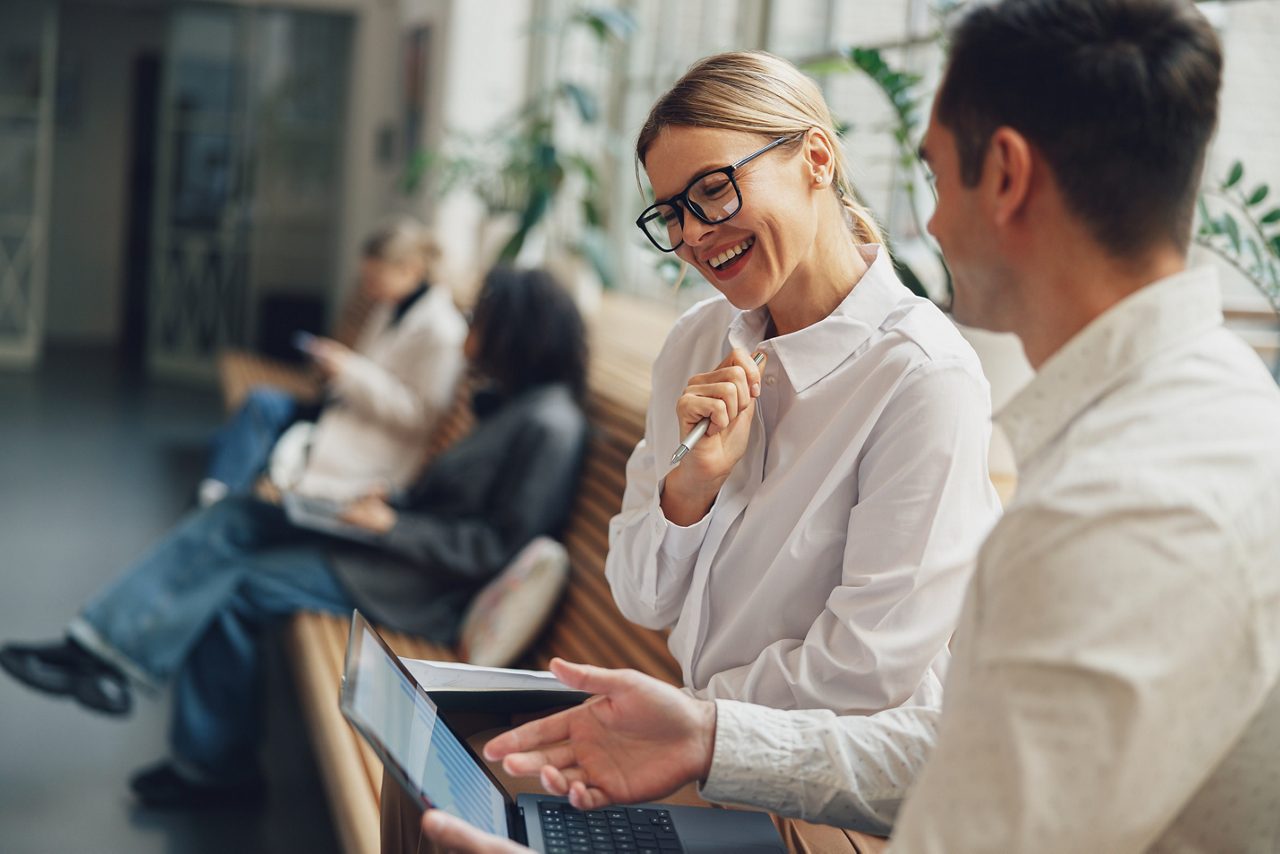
(381, 398)
(190, 613)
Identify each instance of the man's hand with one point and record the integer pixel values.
(329, 355)
(372, 512)
(639, 740)
(454, 834)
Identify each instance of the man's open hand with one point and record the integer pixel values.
(638, 740)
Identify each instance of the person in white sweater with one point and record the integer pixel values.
(381, 398)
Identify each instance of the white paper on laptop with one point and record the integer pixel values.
(453, 685)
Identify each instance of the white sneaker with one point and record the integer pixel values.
(210, 492)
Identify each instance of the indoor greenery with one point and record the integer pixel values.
(1234, 222)
(1237, 226)
(523, 164)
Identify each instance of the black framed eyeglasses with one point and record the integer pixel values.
(712, 197)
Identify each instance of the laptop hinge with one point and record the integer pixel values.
(515, 821)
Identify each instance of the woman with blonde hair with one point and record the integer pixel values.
(381, 399)
(811, 550)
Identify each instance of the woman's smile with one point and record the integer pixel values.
(729, 261)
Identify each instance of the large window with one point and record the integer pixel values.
(671, 34)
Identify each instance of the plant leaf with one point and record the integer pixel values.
(1271, 216)
(1259, 193)
(591, 212)
(909, 278)
(828, 65)
(1232, 229)
(1234, 176)
(595, 248)
(584, 100)
(611, 23)
(1256, 254)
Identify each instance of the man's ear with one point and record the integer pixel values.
(1008, 170)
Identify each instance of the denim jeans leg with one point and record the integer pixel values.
(217, 703)
(148, 621)
(242, 447)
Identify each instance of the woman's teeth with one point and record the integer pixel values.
(732, 252)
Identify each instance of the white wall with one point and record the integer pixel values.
(90, 193)
(369, 183)
(476, 75)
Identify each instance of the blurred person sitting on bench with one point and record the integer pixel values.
(190, 614)
(381, 399)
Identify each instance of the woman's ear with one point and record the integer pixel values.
(819, 157)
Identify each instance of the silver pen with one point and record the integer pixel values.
(700, 429)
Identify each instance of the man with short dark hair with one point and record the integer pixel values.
(1115, 671)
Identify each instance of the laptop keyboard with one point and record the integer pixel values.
(566, 830)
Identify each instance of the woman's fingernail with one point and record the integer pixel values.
(755, 389)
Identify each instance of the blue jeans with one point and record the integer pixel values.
(242, 447)
(191, 612)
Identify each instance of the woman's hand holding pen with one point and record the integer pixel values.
(727, 397)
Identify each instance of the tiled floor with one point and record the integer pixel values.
(93, 467)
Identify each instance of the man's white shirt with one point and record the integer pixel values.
(1114, 680)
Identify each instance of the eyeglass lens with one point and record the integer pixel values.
(714, 198)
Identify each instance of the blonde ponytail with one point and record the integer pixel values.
(863, 225)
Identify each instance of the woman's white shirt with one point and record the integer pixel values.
(830, 570)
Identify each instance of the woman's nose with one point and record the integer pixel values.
(694, 230)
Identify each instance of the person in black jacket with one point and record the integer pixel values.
(190, 613)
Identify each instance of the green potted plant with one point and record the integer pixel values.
(523, 165)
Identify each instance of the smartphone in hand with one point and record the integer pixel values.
(304, 342)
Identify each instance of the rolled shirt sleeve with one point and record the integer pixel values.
(850, 771)
(651, 561)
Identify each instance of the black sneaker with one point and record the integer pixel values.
(67, 669)
(161, 786)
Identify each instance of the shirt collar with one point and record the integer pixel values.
(809, 354)
(1161, 315)
(402, 307)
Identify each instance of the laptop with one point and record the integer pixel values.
(394, 713)
(323, 515)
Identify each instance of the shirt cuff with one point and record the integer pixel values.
(752, 756)
(680, 542)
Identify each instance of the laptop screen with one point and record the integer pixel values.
(387, 703)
